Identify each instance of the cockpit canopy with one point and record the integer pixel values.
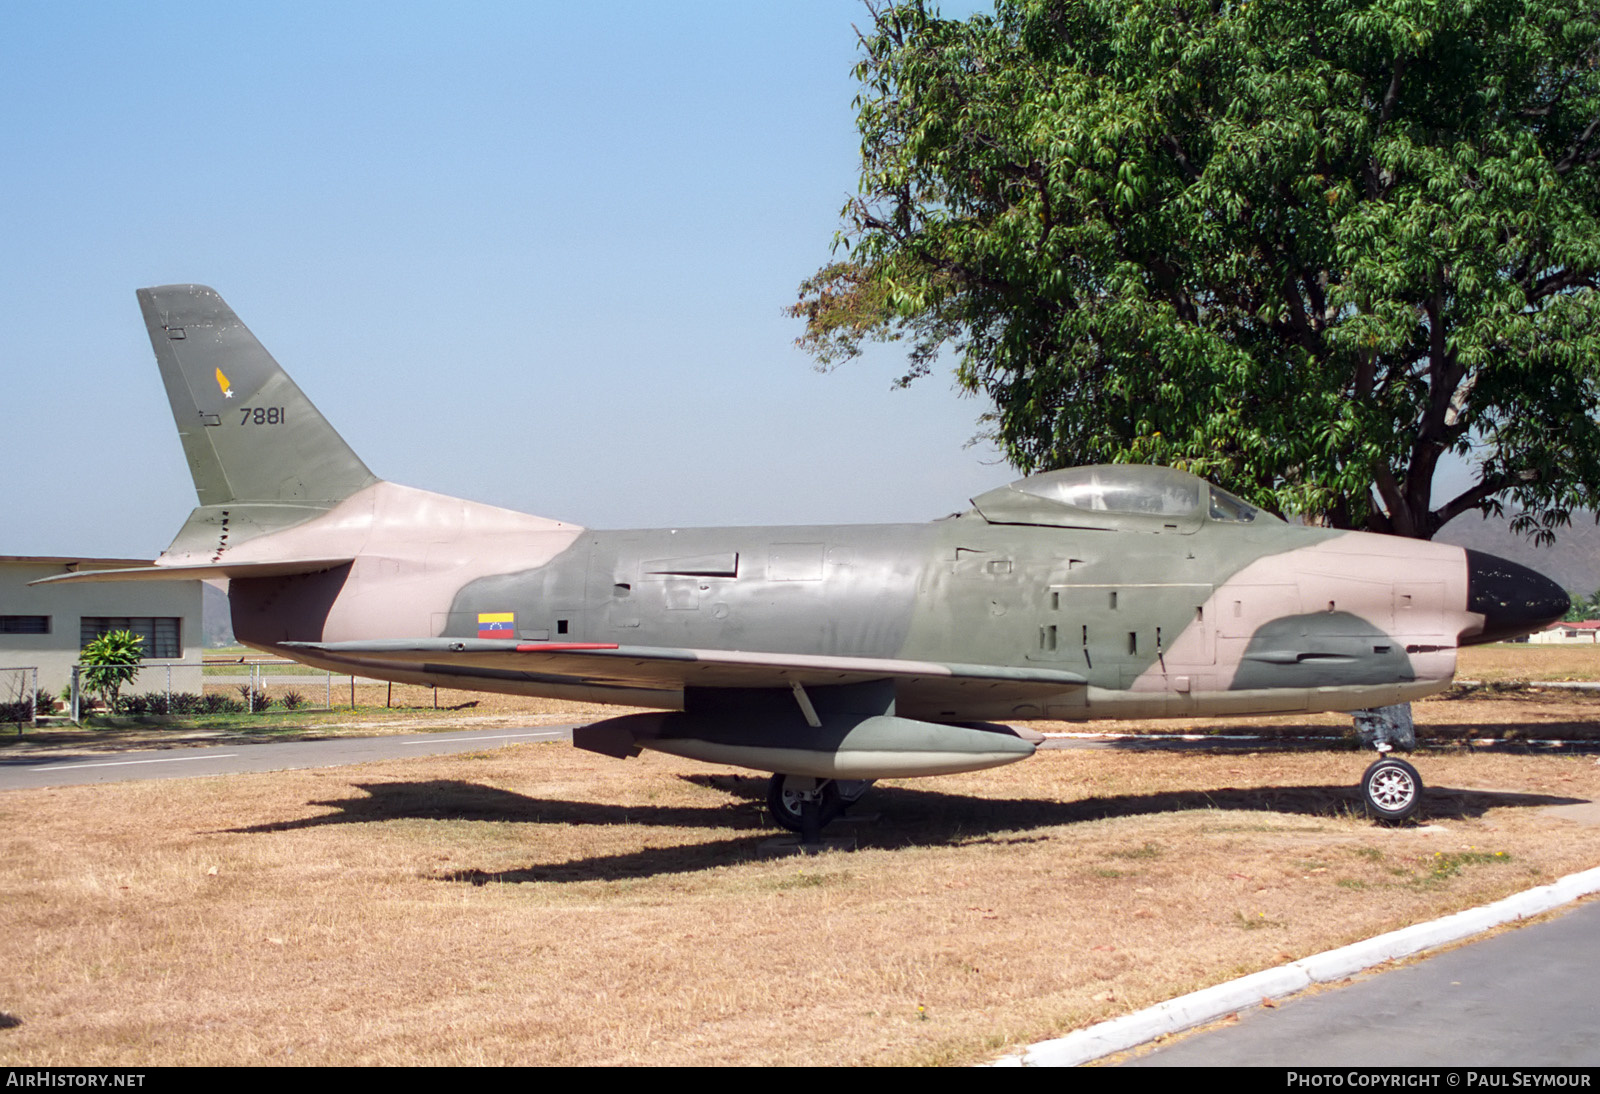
(1109, 496)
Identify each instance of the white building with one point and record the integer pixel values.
(45, 626)
(1585, 633)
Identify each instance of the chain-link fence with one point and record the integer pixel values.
(19, 695)
(232, 686)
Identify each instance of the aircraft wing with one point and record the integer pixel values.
(604, 665)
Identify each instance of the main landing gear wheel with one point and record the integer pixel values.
(1392, 790)
(787, 796)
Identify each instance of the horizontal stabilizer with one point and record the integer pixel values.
(209, 571)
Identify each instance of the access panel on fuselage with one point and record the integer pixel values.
(1119, 632)
(844, 590)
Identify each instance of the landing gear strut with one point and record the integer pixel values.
(805, 805)
(1391, 788)
(795, 800)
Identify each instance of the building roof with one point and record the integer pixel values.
(71, 561)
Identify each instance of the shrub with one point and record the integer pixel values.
(109, 662)
(158, 702)
(254, 699)
(186, 702)
(216, 703)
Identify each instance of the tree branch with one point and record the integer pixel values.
(1556, 282)
(1181, 157)
(1572, 159)
(1469, 500)
(1392, 96)
(1400, 521)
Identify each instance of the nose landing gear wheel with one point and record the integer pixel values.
(1392, 790)
(787, 795)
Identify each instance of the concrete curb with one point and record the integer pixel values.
(1209, 1004)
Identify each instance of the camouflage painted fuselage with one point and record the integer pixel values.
(1220, 619)
(1139, 617)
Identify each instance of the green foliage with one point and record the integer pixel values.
(1583, 607)
(20, 703)
(178, 703)
(185, 702)
(253, 699)
(140, 704)
(1304, 248)
(1447, 864)
(214, 703)
(1255, 922)
(109, 662)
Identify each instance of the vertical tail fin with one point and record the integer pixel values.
(249, 433)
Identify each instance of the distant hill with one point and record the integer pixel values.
(1573, 562)
(216, 618)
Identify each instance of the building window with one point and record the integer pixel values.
(24, 624)
(160, 633)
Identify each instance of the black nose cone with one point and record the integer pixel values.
(1511, 598)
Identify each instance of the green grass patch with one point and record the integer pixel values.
(1255, 922)
(807, 881)
(1447, 864)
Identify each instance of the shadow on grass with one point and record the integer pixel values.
(897, 817)
(452, 799)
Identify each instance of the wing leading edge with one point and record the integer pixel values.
(605, 665)
(285, 567)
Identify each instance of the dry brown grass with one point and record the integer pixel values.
(541, 905)
(1529, 662)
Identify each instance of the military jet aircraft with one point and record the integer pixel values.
(829, 656)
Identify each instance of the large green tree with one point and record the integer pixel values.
(1306, 248)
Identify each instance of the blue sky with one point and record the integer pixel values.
(531, 254)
